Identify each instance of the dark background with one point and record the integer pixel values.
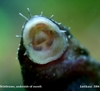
(83, 16)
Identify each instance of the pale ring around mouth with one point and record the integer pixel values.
(43, 40)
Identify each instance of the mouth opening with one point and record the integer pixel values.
(43, 40)
(42, 37)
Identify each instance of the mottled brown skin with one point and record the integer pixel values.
(74, 68)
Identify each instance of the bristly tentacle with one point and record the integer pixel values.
(29, 12)
(62, 31)
(51, 16)
(18, 36)
(41, 13)
(23, 16)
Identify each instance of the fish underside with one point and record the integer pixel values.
(52, 59)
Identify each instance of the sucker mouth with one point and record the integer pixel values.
(42, 37)
(44, 40)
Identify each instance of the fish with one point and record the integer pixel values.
(52, 59)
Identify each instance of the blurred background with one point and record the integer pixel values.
(83, 16)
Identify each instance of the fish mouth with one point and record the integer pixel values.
(43, 40)
(42, 37)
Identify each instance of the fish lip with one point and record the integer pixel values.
(59, 43)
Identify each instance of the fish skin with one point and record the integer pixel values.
(74, 68)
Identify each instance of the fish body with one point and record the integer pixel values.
(51, 58)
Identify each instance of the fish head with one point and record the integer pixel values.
(43, 39)
(48, 52)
